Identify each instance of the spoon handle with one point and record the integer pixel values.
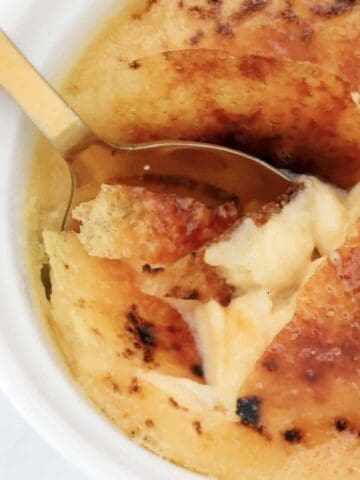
(49, 112)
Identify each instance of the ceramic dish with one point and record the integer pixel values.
(30, 372)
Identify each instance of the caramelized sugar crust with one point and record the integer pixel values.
(105, 307)
(295, 115)
(148, 227)
(190, 278)
(293, 399)
(323, 31)
(306, 31)
(307, 381)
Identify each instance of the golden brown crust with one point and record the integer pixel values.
(107, 308)
(141, 226)
(325, 32)
(190, 278)
(296, 30)
(166, 236)
(307, 382)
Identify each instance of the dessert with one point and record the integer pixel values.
(222, 337)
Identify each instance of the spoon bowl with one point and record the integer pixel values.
(253, 182)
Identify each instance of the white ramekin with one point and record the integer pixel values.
(50, 33)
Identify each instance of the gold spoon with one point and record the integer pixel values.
(246, 177)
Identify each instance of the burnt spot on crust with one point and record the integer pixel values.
(134, 386)
(249, 7)
(135, 64)
(249, 411)
(341, 424)
(195, 39)
(338, 7)
(225, 29)
(146, 334)
(149, 269)
(149, 423)
(293, 435)
(193, 295)
(144, 329)
(197, 427)
(143, 333)
(198, 370)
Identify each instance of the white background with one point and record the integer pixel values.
(24, 455)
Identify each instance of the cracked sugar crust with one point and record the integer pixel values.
(308, 378)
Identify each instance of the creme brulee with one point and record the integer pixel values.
(226, 343)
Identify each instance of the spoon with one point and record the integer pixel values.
(252, 181)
